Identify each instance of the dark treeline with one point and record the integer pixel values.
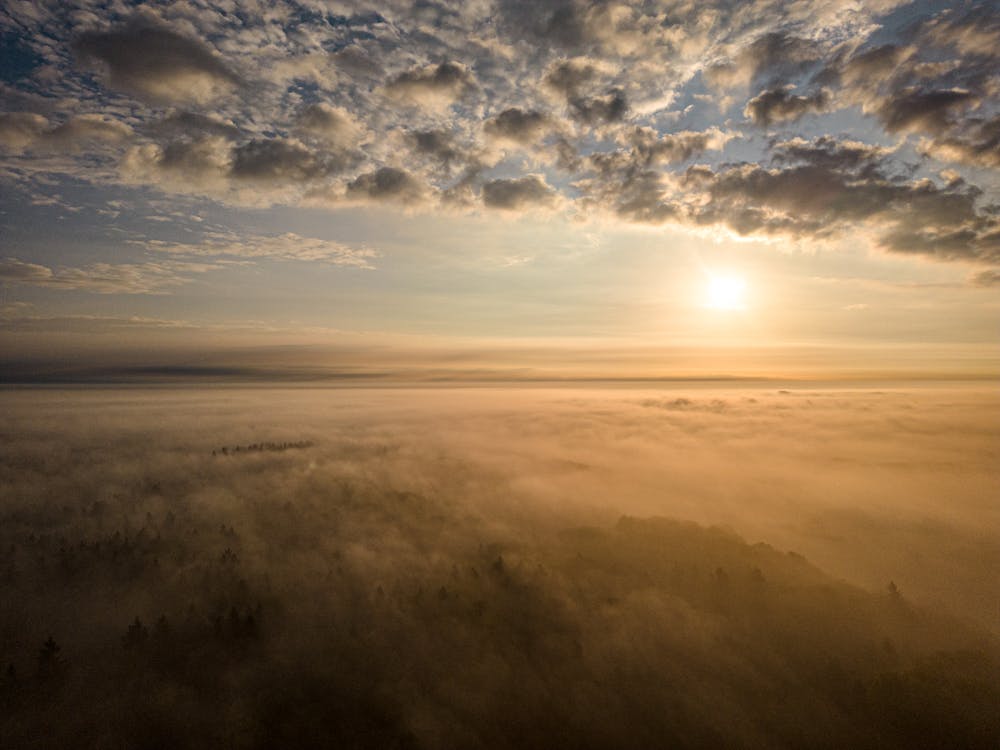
(370, 618)
(228, 450)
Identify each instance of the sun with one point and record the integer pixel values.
(726, 293)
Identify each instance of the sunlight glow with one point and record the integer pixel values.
(726, 293)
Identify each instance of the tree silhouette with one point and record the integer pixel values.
(136, 636)
(50, 664)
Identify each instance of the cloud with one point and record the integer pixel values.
(17, 271)
(105, 278)
(976, 141)
(869, 67)
(357, 61)
(629, 190)
(594, 110)
(988, 278)
(334, 125)
(916, 109)
(575, 80)
(937, 80)
(181, 123)
(283, 160)
(288, 246)
(388, 184)
(568, 77)
(258, 170)
(20, 131)
(530, 191)
(973, 30)
(80, 130)
(648, 147)
(823, 187)
(150, 60)
(559, 22)
(184, 165)
(781, 105)
(279, 106)
(770, 60)
(431, 85)
(825, 151)
(438, 145)
(627, 181)
(515, 125)
(588, 26)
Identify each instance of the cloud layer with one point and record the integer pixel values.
(651, 113)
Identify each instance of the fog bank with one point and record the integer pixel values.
(440, 567)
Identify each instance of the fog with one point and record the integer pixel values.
(681, 566)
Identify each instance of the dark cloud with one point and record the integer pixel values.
(988, 278)
(975, 142)
(938, 80)
(439, 145)
(777, 56)
(282, 160)
(650, 147)
(915, 109)
(972, 30)
(355, 60)
(824, 187)
(155, 62)
(575, 81)
(642, 197)
(626, 180)
(853, 157)
(442, 83)
(333, 125)
(595, 110)
(565, 155)
(593, 26)
(195, 161)
(559, 22)
(866, 68)
(182, 123)
(781, 105)
(518, 125)
(568, 77)
(770, 61)
(518, 193)
(387, 184)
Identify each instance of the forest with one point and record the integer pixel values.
(350, 583)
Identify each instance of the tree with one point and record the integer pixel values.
(136, 636)
(50, 664)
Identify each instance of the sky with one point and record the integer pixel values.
(484, 189)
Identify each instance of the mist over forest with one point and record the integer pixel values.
(690, 567)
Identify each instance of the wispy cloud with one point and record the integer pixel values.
(106, 278)
(288, 246)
